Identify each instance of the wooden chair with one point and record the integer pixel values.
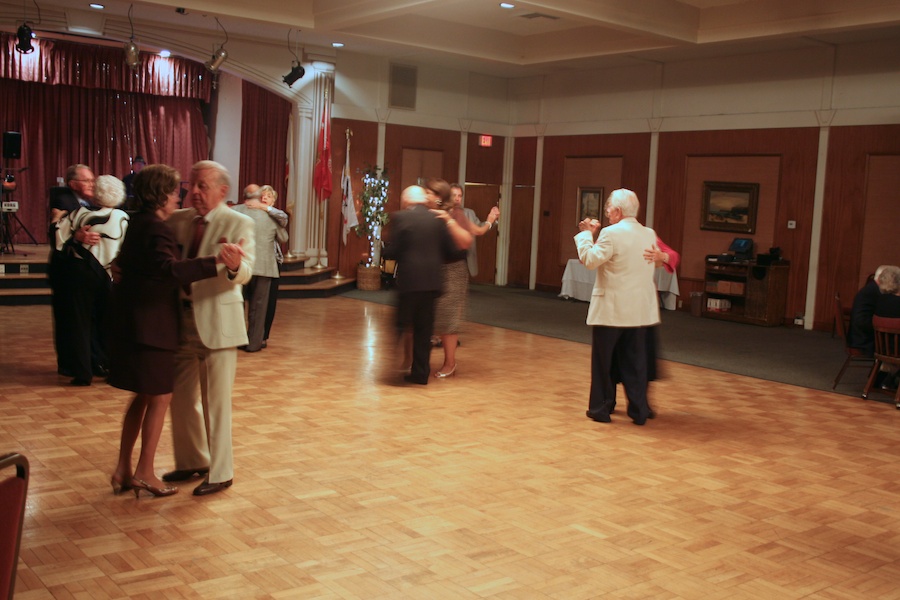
(887, 351)
(13, 490)
(855, 356)
(845, 316)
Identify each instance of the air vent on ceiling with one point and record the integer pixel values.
(537, 15)
(402, 93)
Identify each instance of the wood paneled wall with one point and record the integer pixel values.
(484, 164)
(796, 151)
(521, 210)
(855, 156)
(846, 207)
(401, 137)
(556, 223)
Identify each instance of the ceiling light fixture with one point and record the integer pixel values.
(337, 44)
(24, 34)
(97, 5)
(507, 5)
(132, 52)
(297, 71)
(219, 56)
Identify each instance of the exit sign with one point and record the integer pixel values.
(485, 141)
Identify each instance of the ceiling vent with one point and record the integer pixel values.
(402, 92)
(537, 15)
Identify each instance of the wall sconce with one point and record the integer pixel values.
(297, 71)
(132, 52)
(219, 56)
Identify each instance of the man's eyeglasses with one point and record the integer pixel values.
(85, 180)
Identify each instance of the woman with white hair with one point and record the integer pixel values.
(91, 237)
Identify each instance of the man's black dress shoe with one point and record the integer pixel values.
(265, 344)
(206, 488)
(100, 371)
(600, 417)
(184, 474)
(81, 382)
(66, 372)
(411, 379)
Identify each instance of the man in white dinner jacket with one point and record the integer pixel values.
(623, 305)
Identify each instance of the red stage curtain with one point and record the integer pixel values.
(103, 128)
(264, 131)
(103, 67)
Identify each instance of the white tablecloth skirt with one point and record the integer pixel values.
(578, 282)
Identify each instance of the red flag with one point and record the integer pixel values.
(322, 170)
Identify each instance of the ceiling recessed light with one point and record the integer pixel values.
(507, 5)
(337, 44)
(165, 53)
(97, 6)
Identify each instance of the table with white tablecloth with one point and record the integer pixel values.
(578, 283)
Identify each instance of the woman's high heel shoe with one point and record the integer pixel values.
(140, 484)
(118, 486)
(442, 375)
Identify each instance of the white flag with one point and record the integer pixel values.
(348, 206)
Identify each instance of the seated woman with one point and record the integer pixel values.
(888, 305)
(145, 321)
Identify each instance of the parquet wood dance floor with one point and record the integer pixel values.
(490, 484)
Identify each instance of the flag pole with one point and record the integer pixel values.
(337, 272)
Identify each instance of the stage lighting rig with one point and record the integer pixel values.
(219, 56)
(297, 71)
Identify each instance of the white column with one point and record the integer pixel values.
(317, 213)
(302, 144)
(509, 149)
(536, 206)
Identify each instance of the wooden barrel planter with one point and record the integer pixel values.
(368, 278)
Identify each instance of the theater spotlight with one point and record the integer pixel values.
(24, 36)
(296, 73)
(219, 56)
(216, 60)
(132, 52)
(296, 70)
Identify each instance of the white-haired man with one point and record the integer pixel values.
(212, 327)
(623, 305)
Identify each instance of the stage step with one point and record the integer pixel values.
(23, 279)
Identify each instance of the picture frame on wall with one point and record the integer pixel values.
(729, 206)
(590, 203)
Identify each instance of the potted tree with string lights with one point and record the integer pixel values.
(373, 218)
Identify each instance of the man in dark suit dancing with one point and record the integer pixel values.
(421, 240)
(78, 193)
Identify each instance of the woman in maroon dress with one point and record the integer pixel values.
(145, 315)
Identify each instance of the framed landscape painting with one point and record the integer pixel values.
(729, 206)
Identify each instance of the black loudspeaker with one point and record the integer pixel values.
(12, 144)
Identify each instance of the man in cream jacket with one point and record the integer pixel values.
(623, 305)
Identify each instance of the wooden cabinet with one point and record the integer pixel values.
(746, 292)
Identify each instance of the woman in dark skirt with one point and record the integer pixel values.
(144, 318)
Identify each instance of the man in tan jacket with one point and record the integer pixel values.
(212, 327)
(623, 305)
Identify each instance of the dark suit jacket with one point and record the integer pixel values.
(421, 244)
(63, 198)
(145, 304)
